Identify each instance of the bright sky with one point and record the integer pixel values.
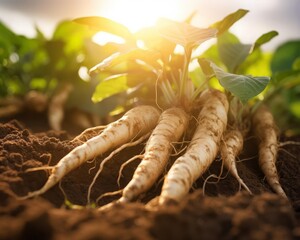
(265, 15)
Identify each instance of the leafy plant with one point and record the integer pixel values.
(167, 69)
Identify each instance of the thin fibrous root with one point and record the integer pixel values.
(109, 194)
(46, 168)
(88, 133)
(206, 181)
(125, 164)
(130, 144)
(282, 144)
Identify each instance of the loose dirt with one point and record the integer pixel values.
(218, 211)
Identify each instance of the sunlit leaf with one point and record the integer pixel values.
(265, 38)
(147, 56)
(229, 20)
(184, 34)
(154, 41)
(73, 35)
(256, 64)
(106, 25)
(110, 86)
(241, 86)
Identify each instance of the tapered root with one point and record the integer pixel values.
(202, 150)
(265, 132)
(230, 148)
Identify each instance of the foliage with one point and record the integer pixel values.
(284, 93)
(45, 64)
(148, 67)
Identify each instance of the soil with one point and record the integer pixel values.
(218, 211)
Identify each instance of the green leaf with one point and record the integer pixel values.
(241, 86)
(184, 34)
(223, 25)
(106, 25)
(154, 41)
(147, 56)
(232, 52)
(206, 68)
(265, 38)
(110, 86)
(285, 55)
(232, 55)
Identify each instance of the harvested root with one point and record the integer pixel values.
(266, 133)
(202, 150)
(172, 124)
(230, 148)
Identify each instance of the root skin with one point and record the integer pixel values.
(171, 126)
(265, 131)
(212, 121)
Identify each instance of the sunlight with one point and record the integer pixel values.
(137, 14)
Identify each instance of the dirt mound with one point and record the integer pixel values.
(218, 211)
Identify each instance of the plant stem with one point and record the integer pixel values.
(184, 75)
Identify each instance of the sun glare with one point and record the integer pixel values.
(137, 14)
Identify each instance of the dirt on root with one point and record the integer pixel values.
(214, 209)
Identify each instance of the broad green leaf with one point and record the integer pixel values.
(232, 52)
(265, 38)
(154, 41)
(147, 56)
(285, 55)
(106, 25)
(184, 34)
(232, 55)
(241, 86)
(229, 20)
(110, 86)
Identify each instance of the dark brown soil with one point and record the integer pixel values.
(223, 212)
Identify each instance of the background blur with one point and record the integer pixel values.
(283, 16)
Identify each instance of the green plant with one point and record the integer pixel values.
(154, 72)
